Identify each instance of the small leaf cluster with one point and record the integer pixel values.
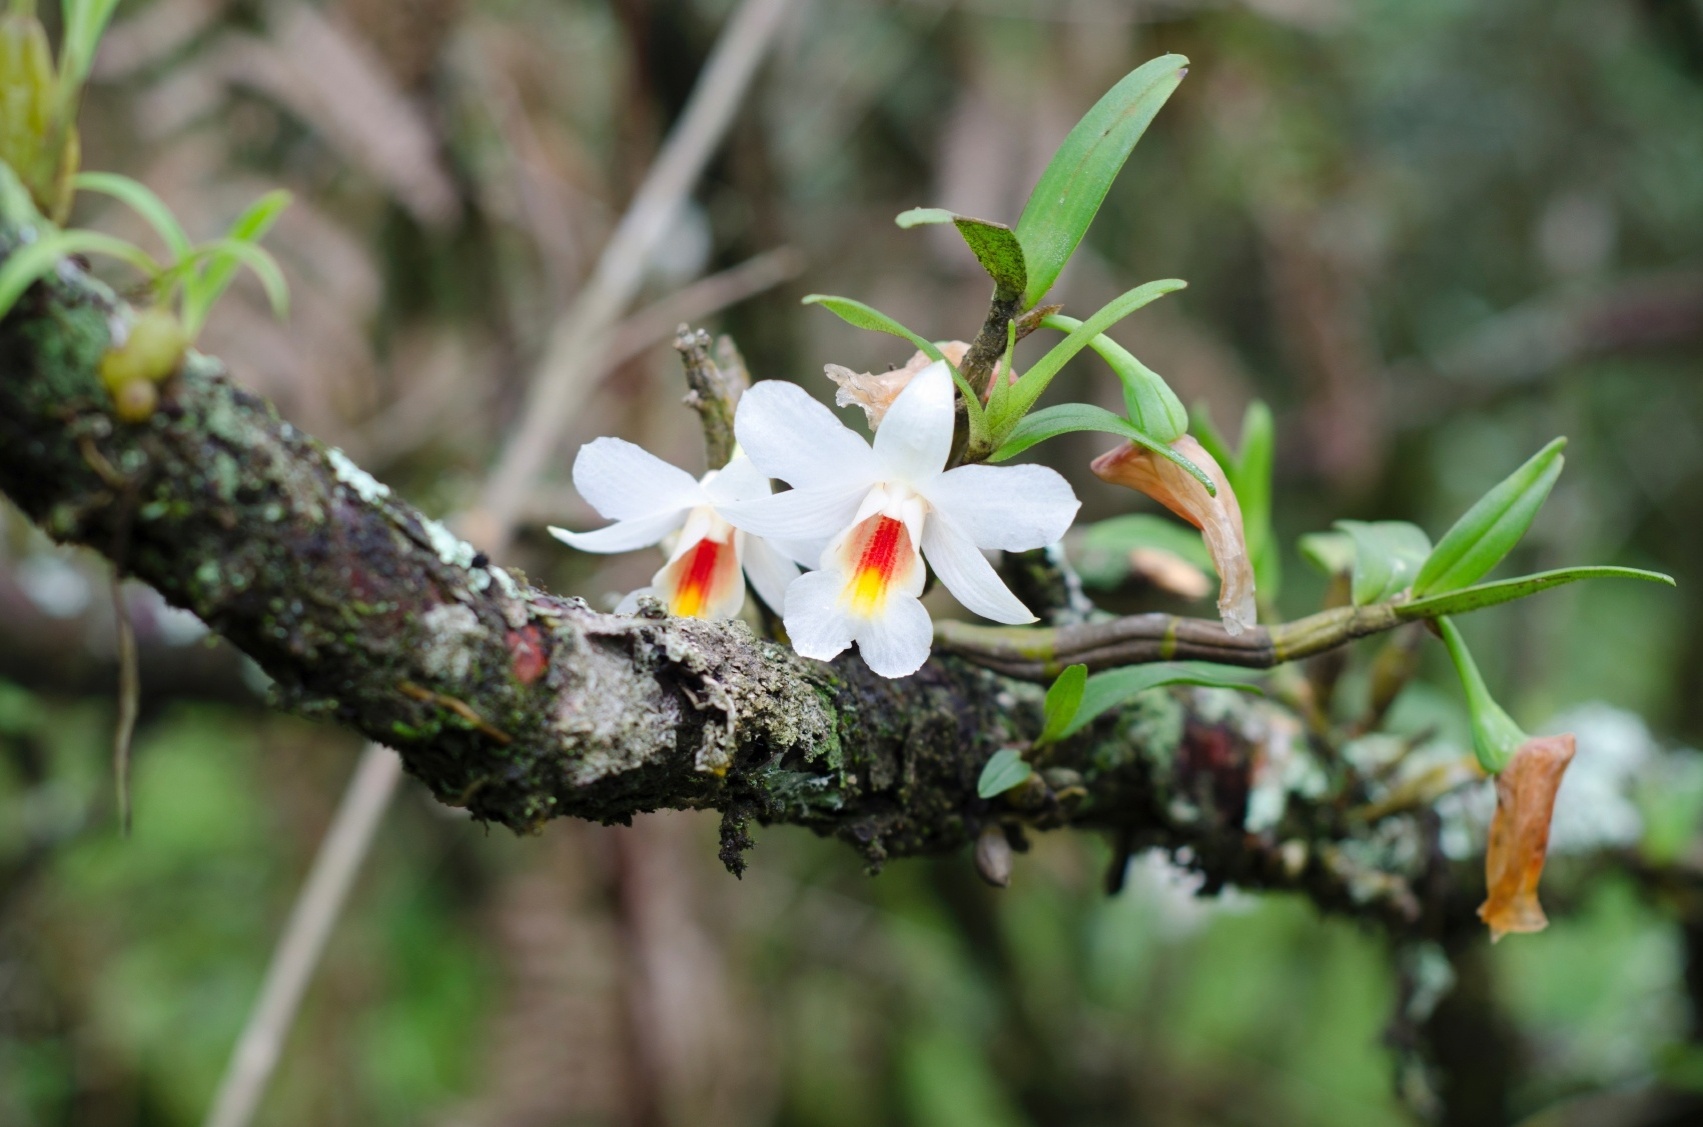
(1024, 261)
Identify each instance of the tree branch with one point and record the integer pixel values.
(521, 705)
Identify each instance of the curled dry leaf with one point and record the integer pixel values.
(1519, 834)
(875, 391)
(1218, 518)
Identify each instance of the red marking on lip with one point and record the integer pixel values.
(693, 594)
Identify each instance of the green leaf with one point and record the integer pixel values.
(1491, 528)
(221, 258)
(1387, 555)
(1005, 770)
(32, 261)
(249, 227)
(1212, 440)
(1506, 590)
(1115, 687)
(1103, 547)
(1495, 736)
(1251, 481)
(1062, 700)
(1153, 407)
(1066, 418)
(862, 316)
(1075, 182)
(994, 244)
(1330, 552)
(1036, 379)
(84, 22)
(143, 202)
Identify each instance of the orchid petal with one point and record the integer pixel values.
(789, 435)
(806, 553)
(798, 514)
(896, 642)
(623, 481)
(739, 480)
(815, 618)
(1010, 507)
(968, 575)
(915, 438)
(768, 569)
(703, 579)
(623, 535)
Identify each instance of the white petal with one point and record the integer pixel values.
(807, 553)
(895, 642)
(798, 514)
(815, 620)
(770, 572)
(623, 481)
(916, 433)
(789, 435)
(968, 575)
(739, 480)
(1011, 507)
(623, 535)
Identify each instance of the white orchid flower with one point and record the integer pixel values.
(650, 500)
(886, 509)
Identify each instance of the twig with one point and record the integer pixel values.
(1040, 654)
(582, 338)
(712, 394)
(305, 933)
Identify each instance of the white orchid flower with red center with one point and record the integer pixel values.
(651, 501)
(886, 508)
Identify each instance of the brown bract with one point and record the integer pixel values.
(1218, 518)
(1519, 834)
(875, 391)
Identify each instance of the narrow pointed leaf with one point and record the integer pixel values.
(1506, 590)
(1212, 439)
(1066, 418)
(1006, 769)
(25, 265)
(1063, 698)
(1036, 379)
(1490, 529)
(1075, 182)
(864, 317)
(1115, 687)
(1251, 479)
(1387, 555)
(1153, 407)
(221, 258)
(138, 198)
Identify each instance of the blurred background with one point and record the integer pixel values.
(1430, 235)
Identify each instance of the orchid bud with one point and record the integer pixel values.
(1519, 834)
(1218, 518)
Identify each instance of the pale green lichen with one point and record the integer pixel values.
(453, 635)
(367, 487)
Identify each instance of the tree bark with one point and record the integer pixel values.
(521, 705)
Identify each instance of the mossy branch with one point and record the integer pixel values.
(521, 705)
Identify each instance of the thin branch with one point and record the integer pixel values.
(305, 933)
(1039, 654)
(582, 338)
